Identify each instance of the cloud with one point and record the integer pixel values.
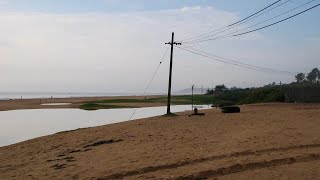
(313, 39)
(92, 51)
(115, 52)
(197, 8)
(3, 2)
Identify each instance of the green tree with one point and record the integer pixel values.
(300, 77)
(209, 92)
(220, 88)
(313, 75)
(234, 88)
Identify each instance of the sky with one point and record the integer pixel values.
(116, 45)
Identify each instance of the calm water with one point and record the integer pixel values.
(20, 125)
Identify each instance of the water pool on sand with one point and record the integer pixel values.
(21, 125)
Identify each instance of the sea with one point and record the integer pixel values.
(33, 95)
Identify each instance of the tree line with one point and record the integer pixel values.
(312, 77)
(305, 89)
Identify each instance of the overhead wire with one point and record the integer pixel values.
(270, 18)
(232, 27)
(154, 74)
(232, 62)
(151, 80)
(277, 21)
(238, 62)
(244, 19)
(272, 24)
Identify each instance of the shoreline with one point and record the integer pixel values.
(80, 119)
(76, 102)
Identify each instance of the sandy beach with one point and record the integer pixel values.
(86, 90)
(264, 141)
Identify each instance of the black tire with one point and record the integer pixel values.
(231, 109)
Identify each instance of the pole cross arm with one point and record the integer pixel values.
(174, 43)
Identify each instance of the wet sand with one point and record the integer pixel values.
(264, 141)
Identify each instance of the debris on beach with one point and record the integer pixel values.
(196, 112)
(230, 109)
(98, 143)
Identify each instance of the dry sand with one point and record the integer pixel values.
(264, 141)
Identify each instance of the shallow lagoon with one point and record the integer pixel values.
(21, 125)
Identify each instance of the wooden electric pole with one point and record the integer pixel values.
(192, 97)
(172, 43)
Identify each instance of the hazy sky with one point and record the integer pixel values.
(116, 45)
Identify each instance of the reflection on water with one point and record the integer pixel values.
(21, 125)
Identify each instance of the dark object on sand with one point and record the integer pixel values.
(225, 105)
(221, 105)
(196, 113)
(230, 109)
(98, 143)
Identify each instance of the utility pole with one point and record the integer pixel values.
(192, 97)
(172, 43)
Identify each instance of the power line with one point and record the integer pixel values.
(241, 63)
(154, 74)
(151, 80)
(233, 62)
(269, 19)
(277, 21)
(244, 19)
(272, 24)
(255, 13)
(232, 27)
